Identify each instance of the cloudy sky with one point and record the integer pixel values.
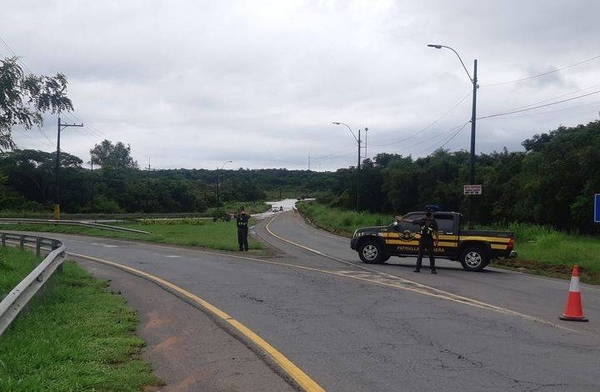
(194, 84)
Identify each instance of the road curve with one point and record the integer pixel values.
(351, 327)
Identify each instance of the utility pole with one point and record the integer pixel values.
(57, 169)
(358, 141)
(358, 174)
(217, 193)
(366, 143)
(92, 186)
(472, 160)
(473, 126)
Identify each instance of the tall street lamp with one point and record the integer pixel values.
(224, 163)
(358, 163)
(473, 118)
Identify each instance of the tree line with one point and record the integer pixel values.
(117, 185)
(551, 183)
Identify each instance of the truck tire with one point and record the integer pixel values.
(474, 258)
(371, 252)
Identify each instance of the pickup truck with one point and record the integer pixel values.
(474, 249)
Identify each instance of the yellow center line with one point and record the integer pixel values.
(302, 379)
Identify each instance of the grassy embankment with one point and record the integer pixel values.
(80, 337)
(541, 250)
(185, 232)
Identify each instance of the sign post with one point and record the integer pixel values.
(597, 208)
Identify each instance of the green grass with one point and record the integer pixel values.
(340, 221)
(189, 232)
(15, 264)
(80, 337)
(231, 207)
(541, 250)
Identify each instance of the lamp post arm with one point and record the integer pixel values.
(347, 126)
(459, 58)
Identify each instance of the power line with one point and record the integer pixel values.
(27, 135)
(434, 137)
(458, 129)
(542, 74)
(559, 96)
(332, 156)
(453, 136)
(538, 107)
(552, 111)
(92, 130)
(14, 54)
(427, 127)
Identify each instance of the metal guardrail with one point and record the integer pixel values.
(72, 223)
(20, 296)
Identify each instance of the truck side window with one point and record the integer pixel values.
(407, 225)
(445, 223)
(403, 226)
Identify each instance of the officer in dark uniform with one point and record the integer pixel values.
(241, 219)
(428, 230)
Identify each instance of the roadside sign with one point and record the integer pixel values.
(472, 190)
(597, 208)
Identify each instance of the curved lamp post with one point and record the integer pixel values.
(473, 118)
(222, 166)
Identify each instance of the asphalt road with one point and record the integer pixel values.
(355, 327)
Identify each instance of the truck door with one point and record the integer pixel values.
(448, 243)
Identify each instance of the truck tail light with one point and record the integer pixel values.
(511, 244)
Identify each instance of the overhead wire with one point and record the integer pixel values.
(559, 96)
(96, 133)
(427, 127)
(542, 74)
(537, 107)
(441, 134)
(12, 52)
(457, 130)
(28, 135)
(548, 112)
(92, 129)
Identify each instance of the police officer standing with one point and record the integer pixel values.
(241, 220)
(428, 230)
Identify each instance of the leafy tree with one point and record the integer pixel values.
(24, 97)
(371, 195)
(31, 172)
(116, 156)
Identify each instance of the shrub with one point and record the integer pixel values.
(221, 215)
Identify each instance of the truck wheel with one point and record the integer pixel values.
(474, 258)
(370, 252)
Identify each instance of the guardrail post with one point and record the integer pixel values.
(22, 242)
(3, 239)
(38, 246)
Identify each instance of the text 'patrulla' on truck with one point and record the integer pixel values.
(474, 249)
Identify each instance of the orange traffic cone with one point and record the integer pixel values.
(574, 311)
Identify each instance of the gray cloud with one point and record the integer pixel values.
(193, 84)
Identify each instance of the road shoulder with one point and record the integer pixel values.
(188, 350)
